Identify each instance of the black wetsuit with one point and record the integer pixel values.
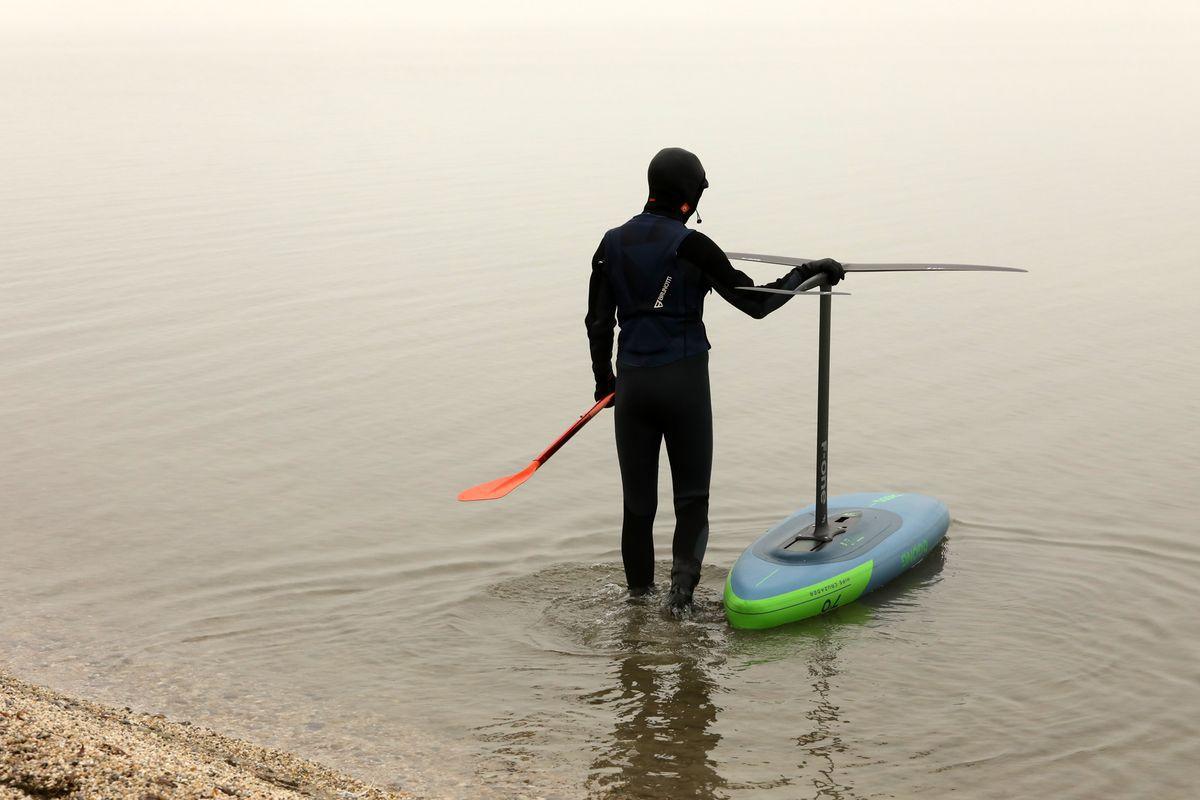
(665, 395)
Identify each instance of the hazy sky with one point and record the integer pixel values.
(152, 15)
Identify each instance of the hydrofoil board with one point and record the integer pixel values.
(788, 575)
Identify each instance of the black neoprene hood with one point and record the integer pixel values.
(676, 176)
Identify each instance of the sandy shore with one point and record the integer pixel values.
(52, 745)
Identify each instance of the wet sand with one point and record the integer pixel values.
(53, 745)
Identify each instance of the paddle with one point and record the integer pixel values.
(494, 490)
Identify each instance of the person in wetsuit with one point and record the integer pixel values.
(651, 275)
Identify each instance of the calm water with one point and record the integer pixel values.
(270, 295)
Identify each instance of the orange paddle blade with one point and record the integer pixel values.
(493, 490)
(496, 489)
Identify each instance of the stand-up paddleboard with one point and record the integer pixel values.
(838, 549)
(788, 575)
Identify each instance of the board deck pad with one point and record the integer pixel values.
(782, 578)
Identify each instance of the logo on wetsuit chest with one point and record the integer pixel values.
(666, 285)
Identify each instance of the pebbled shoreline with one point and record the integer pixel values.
(53, 745)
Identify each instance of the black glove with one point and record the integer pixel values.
(606, 388)
(833, 270)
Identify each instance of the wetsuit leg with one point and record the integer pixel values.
(639, 438)
(671, 400)
(689, 440)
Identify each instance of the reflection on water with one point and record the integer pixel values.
(662, 683)
(824, 741)
(662, 742)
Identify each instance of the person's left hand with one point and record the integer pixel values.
(834, 271)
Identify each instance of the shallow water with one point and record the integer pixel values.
(271, 294)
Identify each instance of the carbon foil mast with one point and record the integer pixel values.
(821, 530)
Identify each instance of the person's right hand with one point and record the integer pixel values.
(834, 271)
(605, 388)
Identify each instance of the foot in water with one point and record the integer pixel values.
(636, 592)
(679, 601)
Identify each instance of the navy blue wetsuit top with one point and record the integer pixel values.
(651, 275)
